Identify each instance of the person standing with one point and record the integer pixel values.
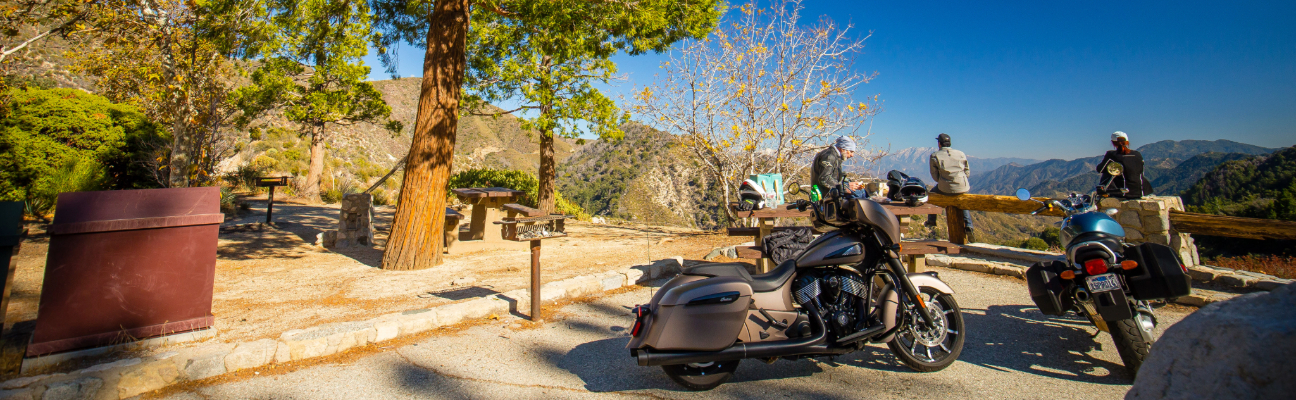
(826, 173)
(1132, 179)
(949, 168)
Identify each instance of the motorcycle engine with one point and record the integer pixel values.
(838, 295)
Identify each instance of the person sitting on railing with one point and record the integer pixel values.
(949, 168)
(1137, 185)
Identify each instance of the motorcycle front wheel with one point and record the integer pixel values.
(701, 376)
(931, 349)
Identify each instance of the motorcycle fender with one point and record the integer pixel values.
(889, 302)
(1112, 306)
(921, 279)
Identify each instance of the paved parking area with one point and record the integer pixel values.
(1012, 352)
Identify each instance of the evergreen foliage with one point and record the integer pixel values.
(64, 140)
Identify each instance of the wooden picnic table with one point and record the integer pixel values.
(487, 204)
(912, 250)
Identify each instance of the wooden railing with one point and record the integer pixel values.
(1186, 222)
(1220, 225)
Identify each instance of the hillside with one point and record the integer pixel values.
(361, 153)
(1258, 187)
(641, 178)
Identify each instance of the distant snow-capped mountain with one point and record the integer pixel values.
(914, 161)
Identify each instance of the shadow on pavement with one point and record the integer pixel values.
(1020, 338)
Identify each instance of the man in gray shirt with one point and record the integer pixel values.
(949, 168)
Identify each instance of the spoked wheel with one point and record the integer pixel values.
(701, 376)
(931, 349)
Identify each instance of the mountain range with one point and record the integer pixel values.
(1171, 166)
(914, 161)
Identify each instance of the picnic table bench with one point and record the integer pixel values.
(487, 204)
(912, 250)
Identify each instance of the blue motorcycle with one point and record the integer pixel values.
(1104, 279)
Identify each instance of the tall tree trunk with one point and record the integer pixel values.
(316, 170)
(417, 240)
(545, 193)
(178, 168)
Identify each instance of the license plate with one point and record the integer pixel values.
(1102, 283)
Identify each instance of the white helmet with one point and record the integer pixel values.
(1118, 135)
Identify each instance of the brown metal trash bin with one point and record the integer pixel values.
(126, 265)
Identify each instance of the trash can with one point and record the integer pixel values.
(126, 265)
(11, 235)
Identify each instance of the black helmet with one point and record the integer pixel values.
(895, 179)
(914, 192)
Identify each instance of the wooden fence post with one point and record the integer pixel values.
(955, 222)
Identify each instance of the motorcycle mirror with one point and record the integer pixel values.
(1023, 194)
(793, 188)
(1111, 212)
(1115, 168)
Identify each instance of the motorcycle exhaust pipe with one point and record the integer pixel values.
(1082, 295)
(817, 343)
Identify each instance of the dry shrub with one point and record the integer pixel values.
(1279, 266)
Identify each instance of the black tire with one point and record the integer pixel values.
(905, 343)
(1132, 342)
(701, 376)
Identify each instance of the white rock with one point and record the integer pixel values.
(1234, 349)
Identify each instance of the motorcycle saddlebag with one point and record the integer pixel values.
(1160, 274)
(702, 309)
(1046, 288)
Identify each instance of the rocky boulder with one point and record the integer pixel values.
(1235, 349)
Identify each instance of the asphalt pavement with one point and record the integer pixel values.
(1012, 352)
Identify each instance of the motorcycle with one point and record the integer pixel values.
(848, 288)
(1104, 279)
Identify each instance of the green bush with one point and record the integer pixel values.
(1034, 243)
(1052, 236)
(516, 180)
(67, 140)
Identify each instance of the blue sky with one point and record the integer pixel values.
(1054, 79)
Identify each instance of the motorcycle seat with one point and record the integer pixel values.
(766, 282)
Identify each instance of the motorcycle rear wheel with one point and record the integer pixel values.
(933, 349)
(701, 376)
(1132, 342)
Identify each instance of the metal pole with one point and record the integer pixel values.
(535, 280)
(270, 206)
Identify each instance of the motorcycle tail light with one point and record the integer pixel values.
(639, 313)
(1095, 266)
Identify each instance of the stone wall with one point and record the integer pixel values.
(1148, 220)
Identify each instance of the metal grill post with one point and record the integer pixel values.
(535, 280)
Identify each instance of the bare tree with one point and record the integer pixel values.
(761, 94)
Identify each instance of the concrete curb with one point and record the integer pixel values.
(1199, 297)
(131, 377)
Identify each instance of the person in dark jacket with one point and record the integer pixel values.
(826, 173)
(1132, 179)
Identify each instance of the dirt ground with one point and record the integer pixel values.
(274, 279)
